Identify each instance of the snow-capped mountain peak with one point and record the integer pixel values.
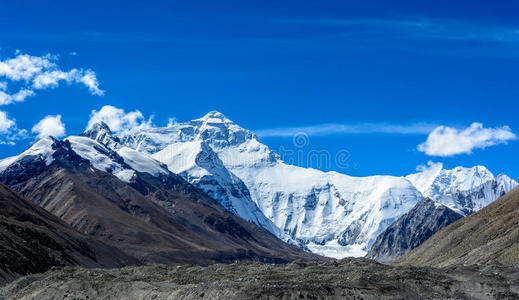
(97, 128)
(101, 132)
(462, 178)
(41, 150)
(218, 131)
(214, 117)
(96, 146)
(463, 189)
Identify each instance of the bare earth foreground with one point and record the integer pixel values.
(345, 279)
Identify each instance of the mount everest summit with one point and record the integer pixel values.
(327, 213)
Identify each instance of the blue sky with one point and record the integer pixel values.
(374, 78)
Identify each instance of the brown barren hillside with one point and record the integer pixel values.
(33, 240)
(488, 236)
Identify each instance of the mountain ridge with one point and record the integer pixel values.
(328, 213)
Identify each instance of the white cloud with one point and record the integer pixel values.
(118, 120)
(430, 166)
(6, 124)
(20, 96)
(9, 131)
(448, 141)
(35, 73)
(89, 79)
(49, 126)
(51, 79)
(363, 128)
(25, 67)
(20, 78)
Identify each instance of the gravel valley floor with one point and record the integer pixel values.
(345, 279)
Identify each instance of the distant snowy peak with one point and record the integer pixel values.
(139, 161)
(214, 117)
(214, 129)
(96, 146)
(506, 183)
(101, 133)
(463, 179)
(463, 189)
(219, 131)
(42, 150)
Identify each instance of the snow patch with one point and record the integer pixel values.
(334, 250)
(41, 149)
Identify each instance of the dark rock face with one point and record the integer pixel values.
(411, 230)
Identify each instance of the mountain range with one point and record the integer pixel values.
(328, 213)
(206, 176)
(132, 202)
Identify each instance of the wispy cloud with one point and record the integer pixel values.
(426, 36)
(420, 28)
(127, 37)
(361, 128)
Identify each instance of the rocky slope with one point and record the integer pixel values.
(489, 235)
(346, 279)
(133, 202)
(33, 240)
(412, 229)
(330, 213)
